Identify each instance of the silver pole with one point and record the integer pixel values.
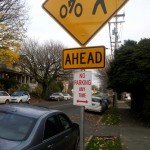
(82, 128)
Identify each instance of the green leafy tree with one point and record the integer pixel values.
(129, 71)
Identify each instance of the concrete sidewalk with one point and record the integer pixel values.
(134, 134)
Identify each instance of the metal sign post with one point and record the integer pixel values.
(82, 128)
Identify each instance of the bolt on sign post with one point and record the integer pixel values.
(82, 19)
(84, 58)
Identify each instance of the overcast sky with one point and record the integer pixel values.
(135, 27)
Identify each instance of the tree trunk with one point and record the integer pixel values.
(45, 90)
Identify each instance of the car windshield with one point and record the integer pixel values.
(15, 127)
(17, 94)
(55, 94)
(96, 100)
(66, 94)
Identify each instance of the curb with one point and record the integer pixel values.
(88, 141)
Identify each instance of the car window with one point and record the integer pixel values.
(65, 122)
(1, 94)
(95, 100)
(4, 94)
(15, 127)
(61, 94)
(17, 94)
(51, 127)
(25, 93)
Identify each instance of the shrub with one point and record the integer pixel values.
(9, 83)
(24, 87)
(38, 90)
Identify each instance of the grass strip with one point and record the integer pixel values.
(104, 143)
(111, 117)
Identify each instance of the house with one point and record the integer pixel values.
(15, 72)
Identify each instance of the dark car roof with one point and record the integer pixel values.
(27, 110)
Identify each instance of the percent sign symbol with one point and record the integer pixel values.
(71, 4)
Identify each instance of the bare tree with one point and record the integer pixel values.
(43, 61)
(101, 74)
(13, 15)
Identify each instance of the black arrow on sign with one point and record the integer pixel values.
(101, 2)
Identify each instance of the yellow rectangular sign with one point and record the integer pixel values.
(84, 58)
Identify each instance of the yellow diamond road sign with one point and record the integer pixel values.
(84, 58)
(82, 19)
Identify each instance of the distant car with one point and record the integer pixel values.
(20, 96)
(127, 97)
(56, 96)
(27, 127)
(98, 105)
(106, 98)
(4, 97)
(67, 96)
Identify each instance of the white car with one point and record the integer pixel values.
(97, 105)
(67, 96)
(56, 96)
(4, 97)
(20, 96)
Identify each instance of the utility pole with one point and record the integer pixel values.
(114, 42)
(114, 35)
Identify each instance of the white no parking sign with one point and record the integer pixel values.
(82, 88)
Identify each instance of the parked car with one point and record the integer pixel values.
(56, 96)
(103, 96)
(98, 105)
(107, 99)
(25, 127)
(4, 97)
(20, 96)
(67, 96)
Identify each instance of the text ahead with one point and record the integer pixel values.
(84, 58)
